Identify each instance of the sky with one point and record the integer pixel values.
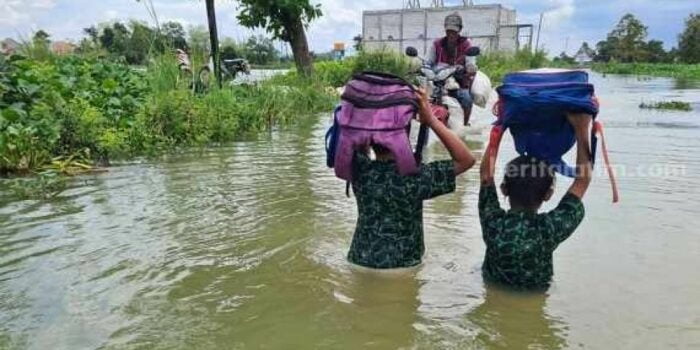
(567, 23)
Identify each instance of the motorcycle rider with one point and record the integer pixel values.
(452, 50)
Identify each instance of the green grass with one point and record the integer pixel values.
(685, 71)
(53, 108)
(671, 105)
(497, 64)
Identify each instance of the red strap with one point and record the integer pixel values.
(598, 129)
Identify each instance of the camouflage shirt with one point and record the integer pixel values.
(389, 231)
(519, 244)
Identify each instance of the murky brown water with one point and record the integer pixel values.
(244, 247)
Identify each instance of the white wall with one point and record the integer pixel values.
(387, 29)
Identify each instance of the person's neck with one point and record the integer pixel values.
(522, 208)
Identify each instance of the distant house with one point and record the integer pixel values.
(8, 46)
(584, 55)
(62, 47)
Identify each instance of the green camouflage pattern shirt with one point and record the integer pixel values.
(520, 244)
(389, 230)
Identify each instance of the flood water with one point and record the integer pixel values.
(244, 247)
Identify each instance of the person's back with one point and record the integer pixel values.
(389, 230)
(520, 242)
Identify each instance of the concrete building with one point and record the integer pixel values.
(492, 27)
(62, 47)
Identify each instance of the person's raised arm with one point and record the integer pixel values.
(584, 169)
(462, 157)
(488, 166)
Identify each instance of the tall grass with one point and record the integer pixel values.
(163, 74)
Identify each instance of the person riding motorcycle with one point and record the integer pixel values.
(452, 50)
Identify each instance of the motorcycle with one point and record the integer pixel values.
(442, 86)
(202, 80)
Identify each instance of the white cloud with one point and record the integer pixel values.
(560, 13)
(14, 12)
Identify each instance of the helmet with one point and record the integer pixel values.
(453, 22)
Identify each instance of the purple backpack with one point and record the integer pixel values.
(376, 108)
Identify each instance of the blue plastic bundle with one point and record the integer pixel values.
(533, 106)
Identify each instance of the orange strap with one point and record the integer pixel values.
(598, 129)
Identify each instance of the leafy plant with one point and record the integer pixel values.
(674, 105)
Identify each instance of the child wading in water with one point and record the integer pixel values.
(520, 242)
(389, 231)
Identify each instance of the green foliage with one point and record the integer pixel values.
(134, 42)
(672, 105)
(276, 16)
(685, 71)
(627, 43)
(56, 107)
(62, 113)
(337, 73)
(689, 40)
(564, 59)
(260, 50)
(383, 61)
(285, 20)
(497, 64)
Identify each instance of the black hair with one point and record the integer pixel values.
(527, 181)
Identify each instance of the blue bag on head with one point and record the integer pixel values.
(533, 105)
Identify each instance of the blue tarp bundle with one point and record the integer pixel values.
(533, 105)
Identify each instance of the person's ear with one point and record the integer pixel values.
(504, 189)
(549, 194)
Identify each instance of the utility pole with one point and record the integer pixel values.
(539, 28)
(214, 39)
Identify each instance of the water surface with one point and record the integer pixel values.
(244, 247)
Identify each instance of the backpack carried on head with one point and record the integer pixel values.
(533, 105)
(376, 108)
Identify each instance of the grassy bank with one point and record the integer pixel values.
(685, 71)
(80, 108)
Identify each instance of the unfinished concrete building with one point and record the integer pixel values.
(492, 27)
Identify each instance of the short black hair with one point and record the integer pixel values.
(527, 181)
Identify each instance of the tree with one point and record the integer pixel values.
(92, 33)
(140, 43)
(198, 39)
(564, 58)
(625, 42)
(41, 39)
(285, 20)
(174, 35)
(115, 39)
(230, 49)
(260, 50)
(689, 40)
(655, 52)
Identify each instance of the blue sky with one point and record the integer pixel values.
(572, 21)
